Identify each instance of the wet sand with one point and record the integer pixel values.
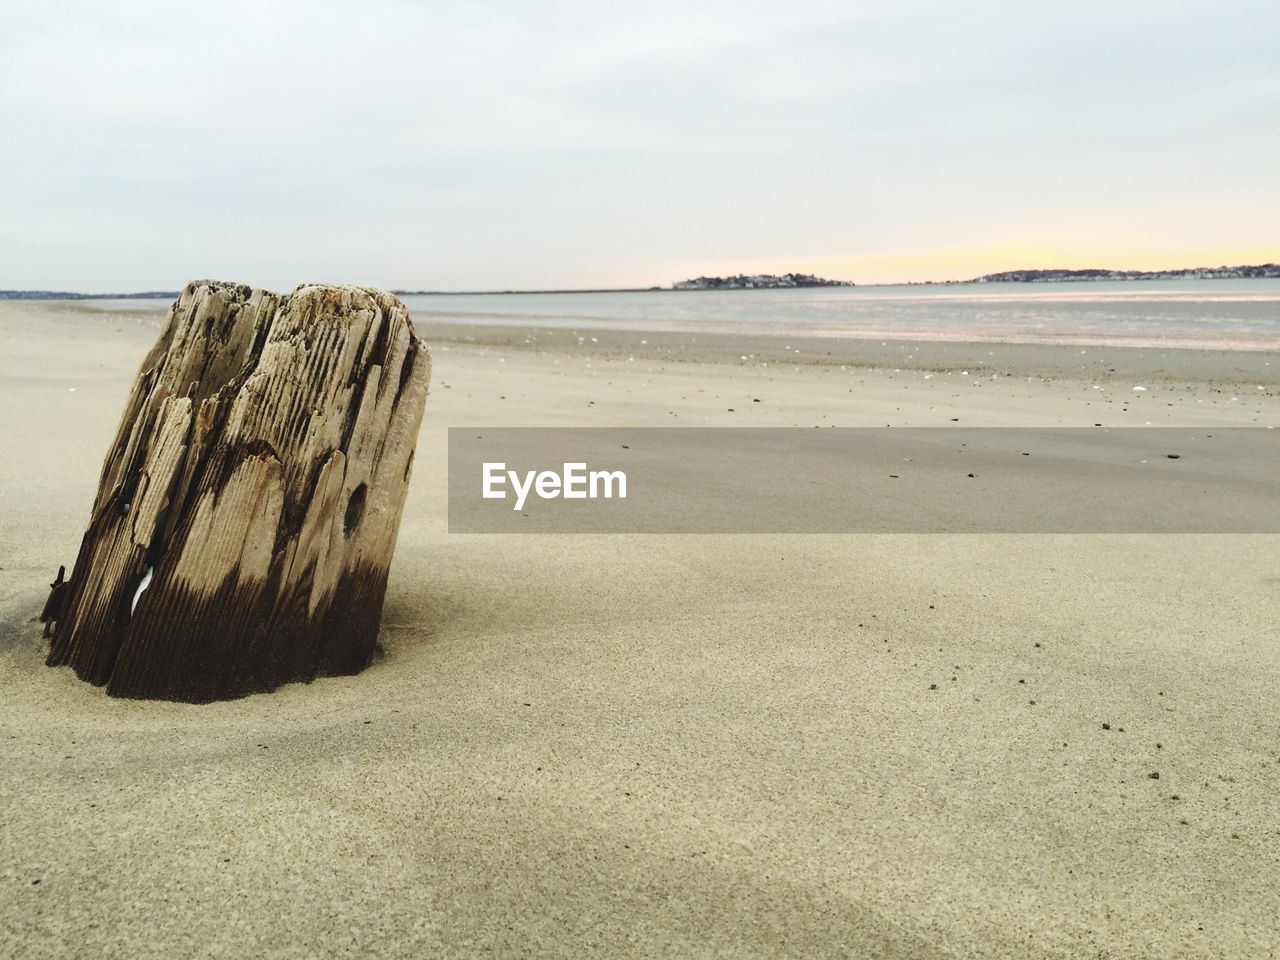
(880, 746)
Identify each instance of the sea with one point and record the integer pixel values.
(1233, 314)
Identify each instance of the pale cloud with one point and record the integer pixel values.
(480, 145)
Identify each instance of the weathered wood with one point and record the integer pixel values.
(248, 507)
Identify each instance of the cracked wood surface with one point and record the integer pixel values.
(258, 477)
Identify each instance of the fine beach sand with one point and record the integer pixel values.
(869, 746)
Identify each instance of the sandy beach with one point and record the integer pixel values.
(869, 746)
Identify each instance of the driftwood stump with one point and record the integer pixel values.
(248, 508)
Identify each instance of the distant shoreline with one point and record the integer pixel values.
(70, 295)
(1027, 277)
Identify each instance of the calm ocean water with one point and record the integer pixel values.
(1232, 313)
(1240, 313)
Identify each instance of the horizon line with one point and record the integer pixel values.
(6, 294)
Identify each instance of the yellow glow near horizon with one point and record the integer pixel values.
(966, 262)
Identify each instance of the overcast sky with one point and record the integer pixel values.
(534, 145)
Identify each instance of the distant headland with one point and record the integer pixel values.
(759, 281)
(1254, 271)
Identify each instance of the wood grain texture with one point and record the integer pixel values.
(254, 489)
